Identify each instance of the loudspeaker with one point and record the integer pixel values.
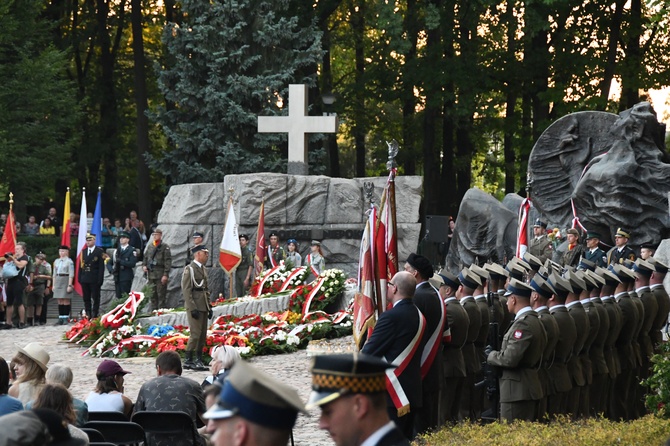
(437, 228)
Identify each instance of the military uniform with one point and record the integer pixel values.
(596, 256)
(242, 271)
(611, 353)
(578, 315)
(472, 363)
(560, 377)
(452, 360)
(571, 256)
(599, 368)
(540, 247)
(616, 255)
(195, 289)
(122, 266)
(551, 328)
(661, 318)
(519, 357)
(621, 389)
(585, 356)
(91, 275)
(650, 306)
(158, 259)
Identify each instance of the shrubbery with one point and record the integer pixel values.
(650, 430)
(658, 399)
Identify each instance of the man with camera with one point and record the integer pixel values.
(158, 261)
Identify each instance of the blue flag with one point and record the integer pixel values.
(96, 225)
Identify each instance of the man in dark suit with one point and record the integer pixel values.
(519, 357)
(396, 338)
(428, 301)
(621, 251)
(122, 265)
(91, 275)
(593, 253)
(350, 389)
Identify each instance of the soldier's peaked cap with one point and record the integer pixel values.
(469, 279)
(198, 248)
(660, 266)
(496, 271)
(197, 234)
(608, 276)
(541, 286)
(449, 279)
(481, 272)
(533, 261)
(622, 233)
(539, 224)
(336, 375)
(560, 285)
(624, 274)
(257, 397)
(518, 288)
(641, 266)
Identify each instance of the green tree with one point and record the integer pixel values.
(232, 61)
(38, 109)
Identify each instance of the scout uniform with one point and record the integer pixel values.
(242, 270)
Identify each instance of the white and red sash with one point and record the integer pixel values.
(273, 262)
(434, 342)
(309, 262)
(400, 400)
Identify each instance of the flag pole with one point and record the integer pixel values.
(392, 166)
(232, 272)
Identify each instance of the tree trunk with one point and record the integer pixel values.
(327, 82)
(510, 123)
(448, 175)
(411, 27)
(630, 73)
(359, 127)
(142, 120)
(612, 46)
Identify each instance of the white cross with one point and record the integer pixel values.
(297, 124)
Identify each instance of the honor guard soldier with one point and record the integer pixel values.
(91, 275)
(469, 282)
(614, 316)
(520, 357)
(576, 362)
(244, 271)
(197, 239)
(567, 335)
(574, 251)
(656, 286)
(253, 409)
(540, 245)
(593, 253)
(621, 251)
(619, 406)
(122, 265)
(351, 391)
(643, 271)
(541, 294)
(195, 288)
(599, 370)
(452, 353)
(158, 262)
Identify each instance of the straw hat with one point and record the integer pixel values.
(35, 352)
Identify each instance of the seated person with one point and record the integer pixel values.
(108, 394)
(8, 404)
(57, 398)
(62, 374)
(223, 358)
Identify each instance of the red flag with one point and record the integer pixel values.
(386, 242)
(260, 241)
(522, 238)
(230, 253)
(8, 241)
(364, 307)
(66, 233)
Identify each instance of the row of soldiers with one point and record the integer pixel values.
(575, 341)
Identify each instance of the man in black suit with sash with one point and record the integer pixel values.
(432, 307)
(91, 275)
(396, 338)
(350, 389)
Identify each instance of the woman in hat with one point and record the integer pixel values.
(108, 394)
(30, 366)
(315, 260)
(57, 398)
(63, 279)
(293, 254)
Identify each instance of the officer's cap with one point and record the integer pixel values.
(540, 224)
(124, 234)
(496, 271)
(469, 279)
(643, 267)
(336, 375)
(197, 234)
(608, 276)
(590, 235)
(256, 396)
(518, 288)
(481, 272)
(449, 279)
(541, 286)
(533, 261)
(661, 267)
(90, 236)
(198, 248)
(622, 233)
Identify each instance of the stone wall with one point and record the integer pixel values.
(331, 210)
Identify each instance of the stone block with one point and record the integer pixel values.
(180, 239)
(200, 202)
(408, 190)
(249, 191)
(345, 202)
(306, 199)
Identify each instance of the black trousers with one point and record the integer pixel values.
(91, 297)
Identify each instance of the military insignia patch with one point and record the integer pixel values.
(517, 334)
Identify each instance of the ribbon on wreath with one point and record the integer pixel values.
(126, 310)
(296, 272)
(310, 296)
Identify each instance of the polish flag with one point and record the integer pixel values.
(522, 238)
(260, 242)
(230, 253)
(81, 242)
(364, 304)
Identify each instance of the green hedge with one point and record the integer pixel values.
(48, 244)
(650, 430)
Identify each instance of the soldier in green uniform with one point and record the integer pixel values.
(244, 271)
(196, 302)
(621, 251)
(469, 282)
(643, 271)
(599, 370)
(540, 245)
(573, 253)
(614, 315)
(158, 262)
(594, 329)
(575, 364)
(520, 357)
(541, 294)
(567, 335)
(656, 286)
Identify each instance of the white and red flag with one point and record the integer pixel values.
(364, 303)
(230, 253)
(81, 242)
(522, 236)
(260, 242)
(386, 241)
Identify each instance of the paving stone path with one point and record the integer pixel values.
(289, 368)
